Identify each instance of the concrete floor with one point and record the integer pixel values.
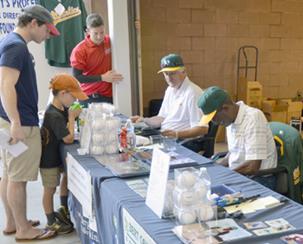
(35, 211)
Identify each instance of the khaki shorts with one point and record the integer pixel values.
(51, 177)
(25, 167)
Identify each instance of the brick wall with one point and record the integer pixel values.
(208, 33)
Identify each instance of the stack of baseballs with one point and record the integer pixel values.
(104, 135)
(191, 197)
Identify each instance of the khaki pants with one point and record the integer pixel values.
(25, 167)
(51, 177)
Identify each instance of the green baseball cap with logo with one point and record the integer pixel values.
(40, 13)
(171, 62)
(210, 101)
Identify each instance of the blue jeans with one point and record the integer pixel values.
(268, 181)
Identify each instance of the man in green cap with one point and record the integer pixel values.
(179, 115)
(19, 118)
(250, 140)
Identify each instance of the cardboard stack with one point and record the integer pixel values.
(275, 110)
(250, 92)
(294, 110)
(282, 110)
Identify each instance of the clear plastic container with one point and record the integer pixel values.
(103, 129)
(192, 196)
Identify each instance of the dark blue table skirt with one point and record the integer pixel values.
(115, 195)
(111, 195)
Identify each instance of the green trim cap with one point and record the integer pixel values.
(171, 62)
(210, 101)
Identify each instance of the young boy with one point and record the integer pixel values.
(58, 126)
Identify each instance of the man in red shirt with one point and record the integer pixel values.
(91, 62)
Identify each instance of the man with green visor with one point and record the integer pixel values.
(250, 141)
(179, 115)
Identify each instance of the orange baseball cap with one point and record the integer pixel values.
(68, 83)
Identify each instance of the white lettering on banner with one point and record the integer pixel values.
(133, 232)
(79, 184)
(9, 12)
(86, 230)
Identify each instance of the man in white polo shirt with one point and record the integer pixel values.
(250, 141)
(179, 115)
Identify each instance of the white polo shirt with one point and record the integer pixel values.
(250, 138)
(180, 107)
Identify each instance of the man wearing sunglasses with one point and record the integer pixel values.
(179, 114)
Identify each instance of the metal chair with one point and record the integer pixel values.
(204, 145)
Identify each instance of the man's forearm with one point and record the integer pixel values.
(78, 74)
(192, 132)
(250, 167)
(223, 161)
(154, 122)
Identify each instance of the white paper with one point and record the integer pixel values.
(155, 197)
(79, 183)
(16, 149)
(141, 140)
(235, 232)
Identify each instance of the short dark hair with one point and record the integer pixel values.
(94, 20)
(24, 19)
(55, 92)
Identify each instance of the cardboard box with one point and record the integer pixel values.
(250, 92)
(254, 96)
(294, 110)
(275, 110)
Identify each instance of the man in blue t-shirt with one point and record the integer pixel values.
(19, 118)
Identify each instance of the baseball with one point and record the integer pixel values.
(186, 179)
(186, 198)
(112, 136)
(97, 150)
(206, 212)
(187, 217)
(98, 124)
(98, 138)
(111, 124)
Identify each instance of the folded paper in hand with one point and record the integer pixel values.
(16, 149)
